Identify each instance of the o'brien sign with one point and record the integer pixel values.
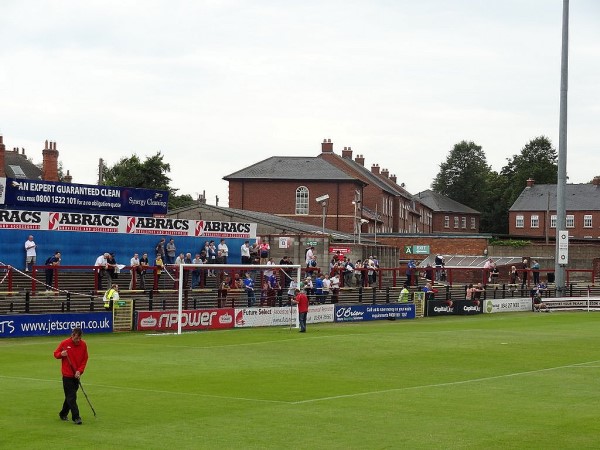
(39, 194)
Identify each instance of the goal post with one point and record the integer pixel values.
(283, 268)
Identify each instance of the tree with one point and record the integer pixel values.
(149, 174)
(538, 160)
(464, 175)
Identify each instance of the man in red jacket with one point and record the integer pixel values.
(302, 301)
(74, 355)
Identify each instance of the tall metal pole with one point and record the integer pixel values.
(562, 148)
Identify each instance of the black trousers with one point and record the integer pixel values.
(70, 386)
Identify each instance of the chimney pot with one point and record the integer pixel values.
(530, 182)
(375, 169)
(360, 160)
(596, 181)
(327, 146)
(347, 153)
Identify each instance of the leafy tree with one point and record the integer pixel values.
(148, 174)
(538, 160)
(464, 175)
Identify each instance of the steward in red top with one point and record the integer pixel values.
(302, 301)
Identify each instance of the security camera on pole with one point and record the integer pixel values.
(323, 201)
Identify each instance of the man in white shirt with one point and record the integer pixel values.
(102, 264)
(29, 253)
(223, 251)
(309, 255)
(135, 270)
(245, 252)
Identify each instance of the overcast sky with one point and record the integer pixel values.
(218, 85)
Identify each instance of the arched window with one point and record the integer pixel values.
(302, 200)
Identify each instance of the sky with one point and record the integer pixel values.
(218, 85)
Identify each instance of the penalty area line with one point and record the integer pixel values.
(450, 383)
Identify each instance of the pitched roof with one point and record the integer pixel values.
(369, 176)
(18, 166)
(291, 168)
(440, 203)
(540, 197)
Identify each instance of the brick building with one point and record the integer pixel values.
(15, 164)
(533, 214)
(352, 198)
(450, 216)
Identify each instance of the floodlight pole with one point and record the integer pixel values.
(559, 269)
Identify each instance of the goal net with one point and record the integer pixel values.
(291, 272)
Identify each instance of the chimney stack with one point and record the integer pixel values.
(530, 182)
(385, 173)
(394, 179)
(347, 152)
(327, 146)
(50, 162)
(596, 181)
(67, 178)
(375, 169)
(2, 153)
(360, 159)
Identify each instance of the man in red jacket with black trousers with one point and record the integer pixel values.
(74, 355)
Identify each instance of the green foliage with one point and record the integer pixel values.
(516, 243)
(148, 174)
(464, 175)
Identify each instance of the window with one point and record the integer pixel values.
(535, 221)
(553, 221)
(446, 221)
(455, 222)
(570, 221)
(473, 223)
(587, 221)
(464, 222)
(302, 200)
(520, 222)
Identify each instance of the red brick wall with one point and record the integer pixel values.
(444, 245)
(438, 223)
(577, 232)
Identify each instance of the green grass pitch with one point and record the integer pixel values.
(495, 381)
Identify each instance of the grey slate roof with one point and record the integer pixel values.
(14, 160)
(283, 223)
(291, 168)
(440, 203)
(578, 197)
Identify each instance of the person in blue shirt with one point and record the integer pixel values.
(249, 286)
(318, 286)
(410, 270)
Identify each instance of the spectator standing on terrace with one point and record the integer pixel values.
(348, 271)
(410, 270)
(326, 287)
(160, 249)
(111, 267)
(535, 270)
(525, 273)
(335, 288)
(111, 296)
(264, 249)
(477, 291)
(102, 264)
(439, 267)
(302, 301)
(513, 275)
(30, 253)
(310, 253)
(160, 265)
(53, 261)
(171, 249)
(134, 263)
(223, 252)
(74, 357)
(144, 264)
(212, 257)
(249, 286)
(196, 273)
(291, 293)
(245, 253)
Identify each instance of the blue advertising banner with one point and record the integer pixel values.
(53, 324)
(51, 195)
(356, 313)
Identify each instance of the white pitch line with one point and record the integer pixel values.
(451, 383)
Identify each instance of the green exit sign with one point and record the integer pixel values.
(416, 249)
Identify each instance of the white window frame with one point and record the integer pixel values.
(473, 223)
(456, 222)
(302, 200)
(570, 222)
(519, 222)
(463, 222)
(588, 221)
(534, 221)
(446, 221)
(553, 221)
